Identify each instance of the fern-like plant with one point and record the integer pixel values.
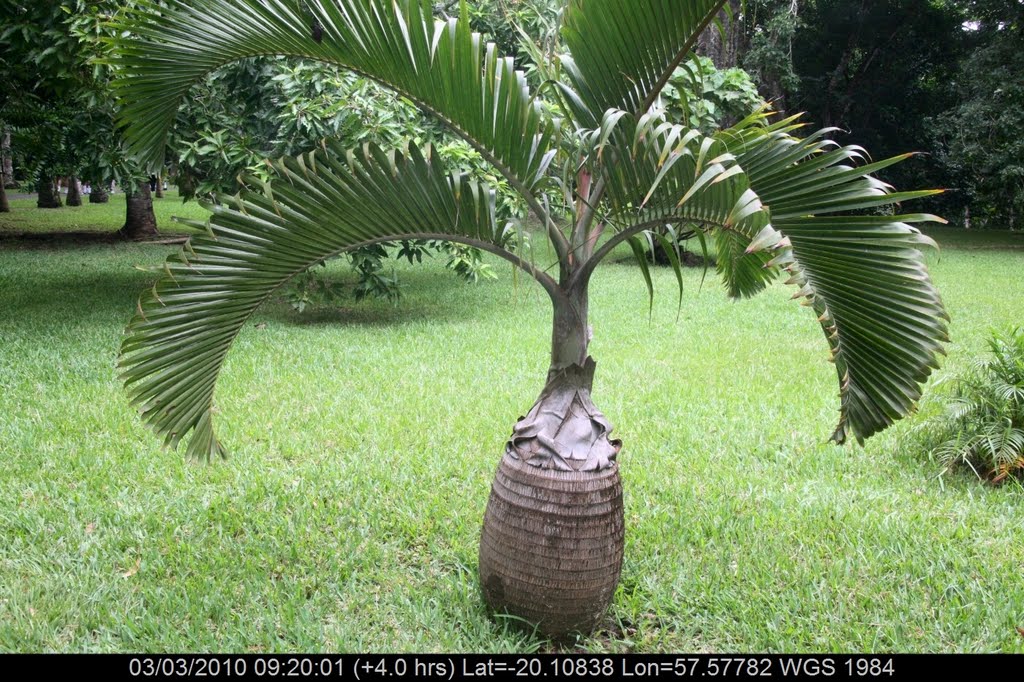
(982, 424)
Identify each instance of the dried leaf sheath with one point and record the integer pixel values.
(565, 431)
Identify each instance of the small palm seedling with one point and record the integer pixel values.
(982, 425)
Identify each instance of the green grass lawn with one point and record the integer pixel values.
(364, 441)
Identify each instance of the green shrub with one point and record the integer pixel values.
(982, 424)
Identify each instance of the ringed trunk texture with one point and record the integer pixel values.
(48, 196)
(74, 197)
(552, 542)
(140, 221)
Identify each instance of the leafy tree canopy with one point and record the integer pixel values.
(979, 139)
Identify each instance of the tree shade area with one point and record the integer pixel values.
(513, 143)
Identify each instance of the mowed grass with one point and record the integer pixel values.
(363, 444)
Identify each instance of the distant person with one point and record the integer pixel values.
(152, 183)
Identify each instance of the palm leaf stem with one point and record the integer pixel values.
(582, 275)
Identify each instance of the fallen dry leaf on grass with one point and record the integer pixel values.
(133, 570)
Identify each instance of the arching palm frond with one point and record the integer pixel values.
(808, 206)
(861, 272)
(322, 203)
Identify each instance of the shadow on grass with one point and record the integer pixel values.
(976, 240)
(70, 295)
(79, 239)
(372, 317)
(62, 290)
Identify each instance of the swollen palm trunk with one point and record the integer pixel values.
(48, 196)
(74, 197)
(552, 542)
(140, 221)
(98, 195)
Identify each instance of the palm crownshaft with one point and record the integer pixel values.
(772, 203)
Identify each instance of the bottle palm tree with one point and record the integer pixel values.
(552, 542)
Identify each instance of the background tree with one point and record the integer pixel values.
(877, 69)
(934, 76)
(769, 28)
(508, 22)
(724, 42)
(5, 164)
(65, 106)
(6, 158)
(41, 130)
(979, 139)
(89, 24)
(43, 66)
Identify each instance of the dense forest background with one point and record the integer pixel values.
(938, 77)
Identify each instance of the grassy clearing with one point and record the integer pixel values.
(364, 441)
(109, 217)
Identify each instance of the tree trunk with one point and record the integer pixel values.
(775, 94)
(49, 196)
(7, 179)
(778, 28)
(837, 95)
(140, 221)
(74, 197)
(724, 51)
(552, 542)
(98, 194)
(6, 171)
(160, 186)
